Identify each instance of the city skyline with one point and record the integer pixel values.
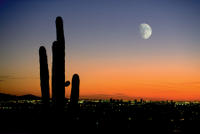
(104, 46)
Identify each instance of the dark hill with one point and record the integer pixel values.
(14, 97)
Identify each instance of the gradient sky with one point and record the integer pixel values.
(104, 46)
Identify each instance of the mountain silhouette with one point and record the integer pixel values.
(4, 96)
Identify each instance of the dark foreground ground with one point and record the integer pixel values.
(27, 116)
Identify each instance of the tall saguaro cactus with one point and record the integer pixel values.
(58, 70)
(75, 90)
(58, 67)
(44, 76)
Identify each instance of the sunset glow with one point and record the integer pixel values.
(105, 48)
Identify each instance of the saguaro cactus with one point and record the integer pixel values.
(58, 68)
(44, 76)
(75, 91)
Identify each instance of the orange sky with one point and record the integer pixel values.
(148, 78)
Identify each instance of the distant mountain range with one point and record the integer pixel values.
(107, 96)
(91, 96)
(116, 96)
(14, 97)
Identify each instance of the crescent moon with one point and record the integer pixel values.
(145, 31)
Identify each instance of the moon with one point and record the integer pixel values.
(145, 31)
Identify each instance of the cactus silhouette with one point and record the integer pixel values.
(58, 67)
(44, 76)
(58, 72)
(75, 91)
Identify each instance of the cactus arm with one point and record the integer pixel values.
(75, 90)
(44, 76)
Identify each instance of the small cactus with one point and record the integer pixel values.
(75, 91)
